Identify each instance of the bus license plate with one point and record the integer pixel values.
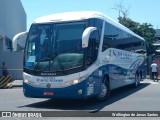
(48, 93)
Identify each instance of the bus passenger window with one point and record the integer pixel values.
(108, 39)
(93, 47)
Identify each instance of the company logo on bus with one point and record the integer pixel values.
(48, 74)
(48, 85)
(120, 54)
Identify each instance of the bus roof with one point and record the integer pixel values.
(81, 15)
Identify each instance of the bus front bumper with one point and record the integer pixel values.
(77, 91)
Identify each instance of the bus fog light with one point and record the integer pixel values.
(80, 91)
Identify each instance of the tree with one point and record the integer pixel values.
(144, 30)
(121, 9)
(148, 33)
(127, 22)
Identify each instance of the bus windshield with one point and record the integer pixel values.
(54, 47)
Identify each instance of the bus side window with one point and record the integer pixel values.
(96, 45)
(125, 42)
(93, 47)
(139, 46)
(107, 39)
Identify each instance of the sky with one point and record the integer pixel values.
(142, 11)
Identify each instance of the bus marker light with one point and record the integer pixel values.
(80, 91)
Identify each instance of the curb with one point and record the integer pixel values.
(17, 83)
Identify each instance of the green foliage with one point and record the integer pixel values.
(147, 32)
(127, 22)
(144, 30)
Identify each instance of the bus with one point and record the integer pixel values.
(79, 55)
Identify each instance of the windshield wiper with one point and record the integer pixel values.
(58, 61)
(60, 64)
(53, 58)
(36, 66)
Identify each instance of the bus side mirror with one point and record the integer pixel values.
(86, 35)
(19, 39)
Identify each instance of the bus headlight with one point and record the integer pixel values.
(75, 81)
(26, 81)
(29, 82)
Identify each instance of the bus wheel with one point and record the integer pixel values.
(105, 91)
(137, 80)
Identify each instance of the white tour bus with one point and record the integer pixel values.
(78, 55)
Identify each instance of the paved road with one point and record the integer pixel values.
(144, 98)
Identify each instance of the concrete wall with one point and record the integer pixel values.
(14, 63)
(12, 17)
(1, 49)
(12, 21)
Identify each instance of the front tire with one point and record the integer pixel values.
(105, 91)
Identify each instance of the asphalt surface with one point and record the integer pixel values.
(144, 98)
